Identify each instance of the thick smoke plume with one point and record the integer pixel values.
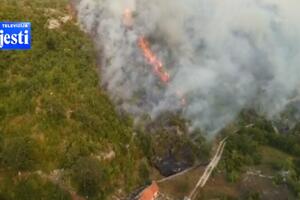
(221, 56)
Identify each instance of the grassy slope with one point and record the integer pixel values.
(52, 111)
(219, 187)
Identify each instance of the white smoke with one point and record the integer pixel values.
(222, 55)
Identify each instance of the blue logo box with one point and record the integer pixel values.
(15, 35)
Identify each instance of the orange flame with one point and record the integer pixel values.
(153, 60)
(128, 18)
(150, 56)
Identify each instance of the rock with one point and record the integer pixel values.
(106, 156)
(65, 19)
(53, 24)
(109, 156)
(56, 23)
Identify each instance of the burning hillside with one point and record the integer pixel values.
(208, 59)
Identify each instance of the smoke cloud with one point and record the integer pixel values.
(222, 56)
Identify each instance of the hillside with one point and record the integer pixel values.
(59, 132)
(62, 137)
(258, 163)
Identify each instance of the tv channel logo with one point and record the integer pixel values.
(15, 35)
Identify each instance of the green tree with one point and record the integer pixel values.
(34, 188)
(144, 173)
(89, 177)
(20, 153)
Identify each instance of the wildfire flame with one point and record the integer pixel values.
(128, 18)
(150, 56)
(153, 60)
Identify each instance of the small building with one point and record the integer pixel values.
(150, 193)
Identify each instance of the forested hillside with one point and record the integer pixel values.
(59, 132)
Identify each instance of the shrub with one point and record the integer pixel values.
(34, 188)
(20, 153)
(89, 177)
(144, 173)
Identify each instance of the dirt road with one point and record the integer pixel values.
(209, 169)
